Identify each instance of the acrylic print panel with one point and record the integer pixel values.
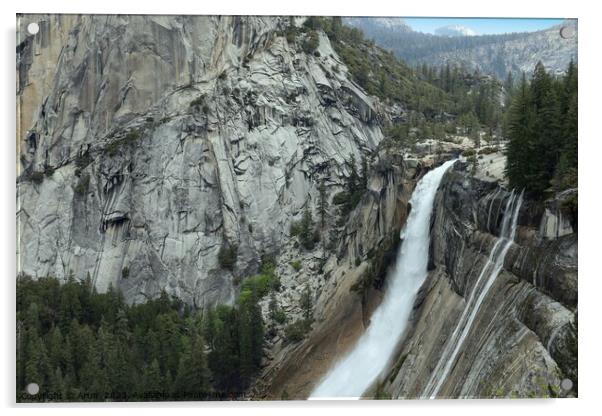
(284, 208)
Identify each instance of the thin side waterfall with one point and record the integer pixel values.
(485, 281)
(355, 373)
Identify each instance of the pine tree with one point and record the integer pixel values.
(566, 170)
(307, 229)
(306, 303)
(36, 362)
(151, 378)
(58, 385)
(520, 134)
(92, 375)
(221, 331)
(322, 204)
(542, 128)
(70, 306)
(548, 139)
(192, 379)
(250, 335)
(56, 352)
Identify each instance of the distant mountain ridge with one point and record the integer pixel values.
(492, 54)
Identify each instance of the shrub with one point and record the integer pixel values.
(264, 282)
(296, 331)
(468, 152)
(130, 138)
(279, 316)
(296, 265)
(268, 264)
(261, 284)
(488, 150)
(295, 228)
(227, 256)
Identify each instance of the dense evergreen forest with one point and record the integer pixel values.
(542, 133)
(80, 345)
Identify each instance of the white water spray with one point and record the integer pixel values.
(485, 281)
(356, 372)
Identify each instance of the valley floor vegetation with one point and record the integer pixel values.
(80, 345)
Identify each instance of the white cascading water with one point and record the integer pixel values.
(356, 372)
(485, 281)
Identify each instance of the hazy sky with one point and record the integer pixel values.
(481, 26)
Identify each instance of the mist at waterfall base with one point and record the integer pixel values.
(356, 372)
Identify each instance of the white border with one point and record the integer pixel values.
(590, 141)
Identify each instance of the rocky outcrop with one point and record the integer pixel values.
(522, 340)
(149, 142)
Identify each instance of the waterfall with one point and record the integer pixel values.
(357, 371)
(485, 281)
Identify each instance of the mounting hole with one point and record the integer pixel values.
(567, 32)
(33, 28)
(32, 389)
(566, 384)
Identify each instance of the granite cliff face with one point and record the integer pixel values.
(147, 143)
